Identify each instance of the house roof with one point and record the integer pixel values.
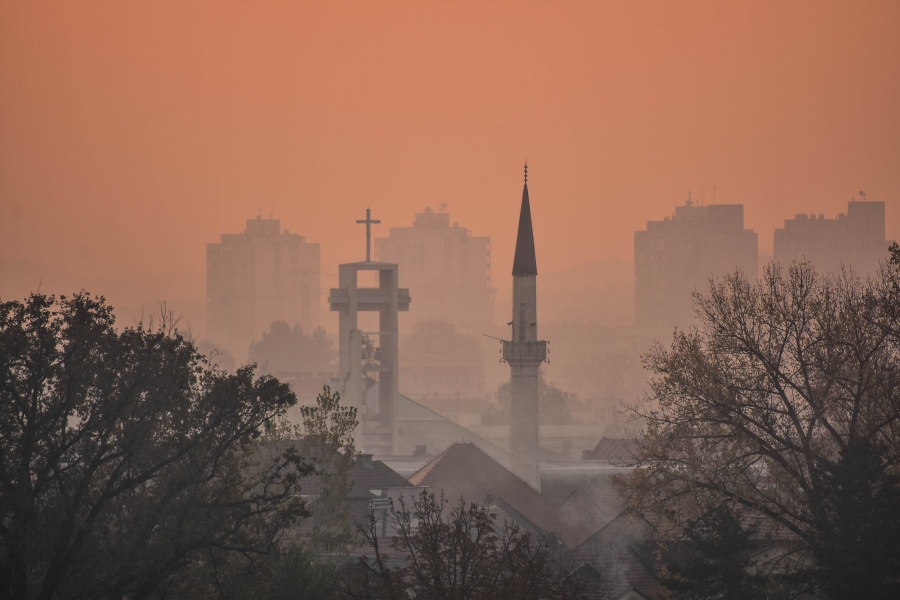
(464, 470)
(613, 449)
(421, 425)
(625, 551)
(365, 476)
(587, 510)
(368, 475)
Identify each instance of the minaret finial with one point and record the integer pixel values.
(526, 171)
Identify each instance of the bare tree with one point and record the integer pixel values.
(785, 403)
(454, 553)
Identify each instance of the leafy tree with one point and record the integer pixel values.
(327, 439)
(786, 403)
(290, 572)
(284, 349)
(438, 337)
(128, 466)
(553, 405)
(301, 565)
(712, 560)
(217, 356)
(457, 552)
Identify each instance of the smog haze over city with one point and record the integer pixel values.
(133, 134)
(618, 277)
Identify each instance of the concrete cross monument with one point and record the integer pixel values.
(369, 221)
(378, 431)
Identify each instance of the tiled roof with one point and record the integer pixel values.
(613, 449)
(421, 425)
(624, 551)
(423, 473)
(365, 475)
(368, 474)
(464, 470)
(586, 512)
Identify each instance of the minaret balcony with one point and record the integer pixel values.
(525, 352)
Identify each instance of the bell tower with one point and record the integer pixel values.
(366, 357)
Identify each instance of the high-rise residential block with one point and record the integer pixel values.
(256, 277)
(447, 271)
(677, 256)
(855, 239)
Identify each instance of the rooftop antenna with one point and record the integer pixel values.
(526, 170)
(862, 194)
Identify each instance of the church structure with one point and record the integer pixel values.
(370, 357)
(524, 354)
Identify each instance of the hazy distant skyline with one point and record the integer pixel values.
(132, 134)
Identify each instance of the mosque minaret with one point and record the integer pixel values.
(525, 353)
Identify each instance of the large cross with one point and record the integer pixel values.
(369, 222)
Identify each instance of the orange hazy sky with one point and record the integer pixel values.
(133, 133)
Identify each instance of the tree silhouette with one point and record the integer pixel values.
(128, 466)
(786, 403)
(439, 551)
(286, 350)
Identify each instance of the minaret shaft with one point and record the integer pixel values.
(524, 308)
(525, 353)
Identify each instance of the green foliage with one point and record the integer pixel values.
(290, 572)
(786, 402)
(458, 552)
(283, 349)
(712, 560)
(301, 565)
(217, 357)
(328, 427)
(128, 466)
(861, 501)
(327, 441)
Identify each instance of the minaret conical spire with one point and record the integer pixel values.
(525, 262)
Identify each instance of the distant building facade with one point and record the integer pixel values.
(256, 277)
(447, 271)
(855, 239)
(678, 255)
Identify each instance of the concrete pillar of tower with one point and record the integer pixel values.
(524, 416)
(386, 299)
(352, 393)
(388, 323)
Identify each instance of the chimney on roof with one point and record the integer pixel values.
(364, 461)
